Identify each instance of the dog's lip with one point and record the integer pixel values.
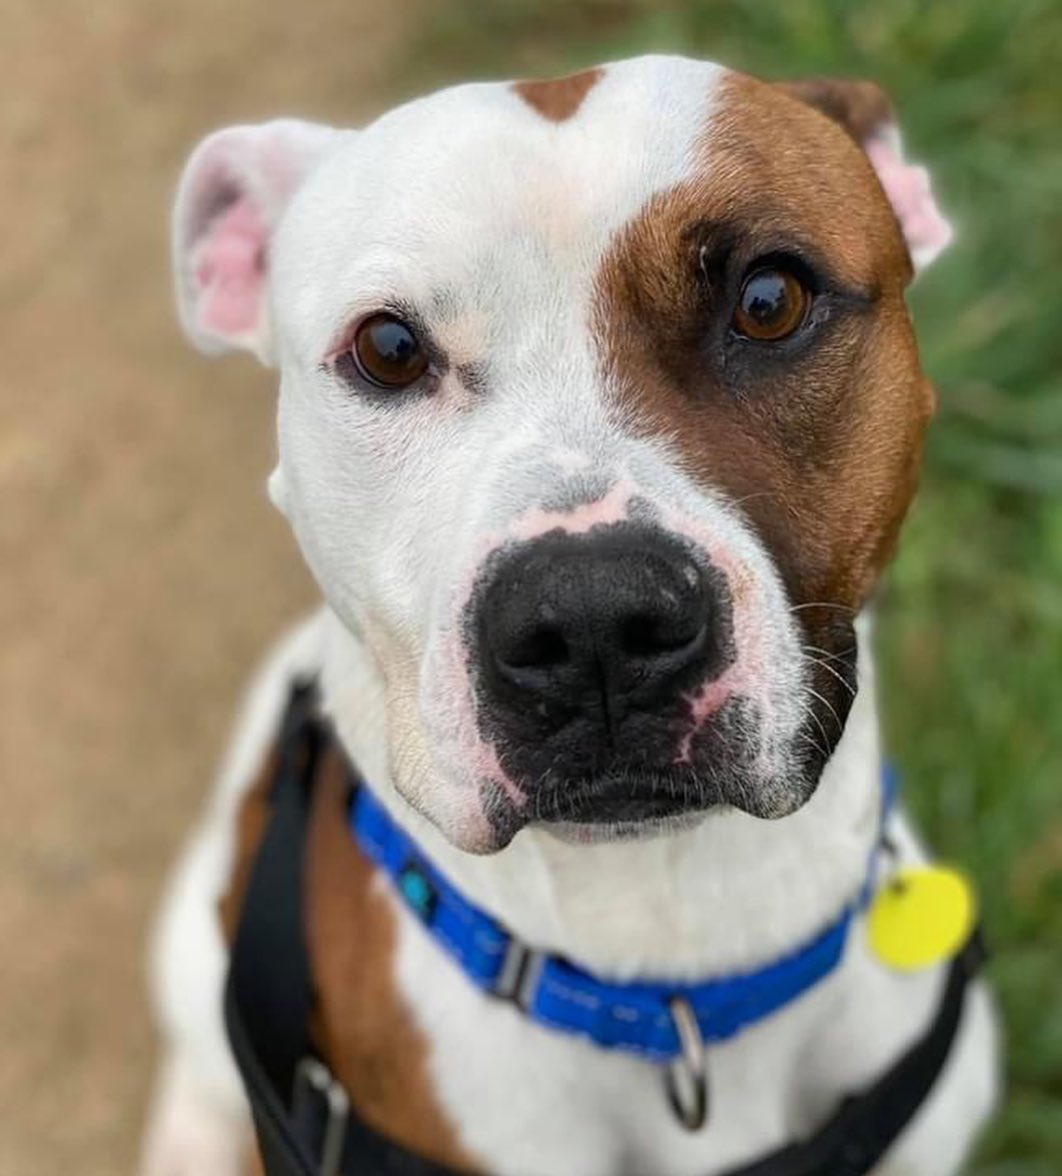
(619, 799)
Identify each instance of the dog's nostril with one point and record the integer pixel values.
(641, 636)
(647, 636)
(542, 649)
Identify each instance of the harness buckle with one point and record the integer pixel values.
(686, 1078)
(313, 1078)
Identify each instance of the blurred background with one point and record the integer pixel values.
(144, 573)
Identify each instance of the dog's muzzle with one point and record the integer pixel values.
(587, 649)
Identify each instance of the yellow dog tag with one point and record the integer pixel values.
(921, 916)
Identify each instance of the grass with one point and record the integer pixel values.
(970, 632)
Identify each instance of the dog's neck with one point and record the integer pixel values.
(730, 893)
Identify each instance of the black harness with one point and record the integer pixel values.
(304, 1122)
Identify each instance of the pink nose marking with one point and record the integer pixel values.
(745, 674)
(705, 703)
(487, 766)
(612, 508)
(477, 755)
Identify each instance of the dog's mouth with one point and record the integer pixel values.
(637, 801)
(621, 798)
(612, 805)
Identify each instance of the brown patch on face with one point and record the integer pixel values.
(819, 437)
(558, 98)
(361, 1023)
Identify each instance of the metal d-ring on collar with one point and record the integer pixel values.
(687, 1076)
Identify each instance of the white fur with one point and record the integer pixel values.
(493, 221)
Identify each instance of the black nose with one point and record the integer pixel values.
(599, 625)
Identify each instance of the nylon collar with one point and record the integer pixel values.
(636, 1016)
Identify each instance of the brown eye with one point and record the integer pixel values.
(387, 353)
(772, 304)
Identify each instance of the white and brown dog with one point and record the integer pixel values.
(600, 409)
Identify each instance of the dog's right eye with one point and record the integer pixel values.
(387, 354)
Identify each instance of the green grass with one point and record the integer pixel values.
(970, 636)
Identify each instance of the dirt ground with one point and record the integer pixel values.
(142, 570)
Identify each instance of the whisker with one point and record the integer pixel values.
(807, 738)
(809, 711)
(839, 657)
(830, 670)
(829, 707)
(755, 494)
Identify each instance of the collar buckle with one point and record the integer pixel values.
(519, 975)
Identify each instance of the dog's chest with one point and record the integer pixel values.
(465, 1079)
(523, 1099)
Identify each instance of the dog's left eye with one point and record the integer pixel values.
(387, 353)
(772, 305)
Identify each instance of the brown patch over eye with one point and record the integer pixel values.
(387, 353)
(821, 447)
(772, 304)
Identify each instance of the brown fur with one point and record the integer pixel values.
(821, 446)
(558, 98)
(361, 1024)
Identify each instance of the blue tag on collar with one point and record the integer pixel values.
(416, 888)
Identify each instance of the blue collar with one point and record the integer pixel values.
(549, 989)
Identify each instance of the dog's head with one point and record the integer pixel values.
(600, 410)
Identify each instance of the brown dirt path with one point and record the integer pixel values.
(141, 570)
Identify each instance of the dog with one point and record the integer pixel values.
(600, 411)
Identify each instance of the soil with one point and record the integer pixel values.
(143, 572)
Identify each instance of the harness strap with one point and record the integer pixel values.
(304, 1124)
(269, 993)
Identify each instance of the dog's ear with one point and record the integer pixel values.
(231, 197)
(863, 109)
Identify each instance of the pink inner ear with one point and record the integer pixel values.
(907, 187)
(228, 269)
